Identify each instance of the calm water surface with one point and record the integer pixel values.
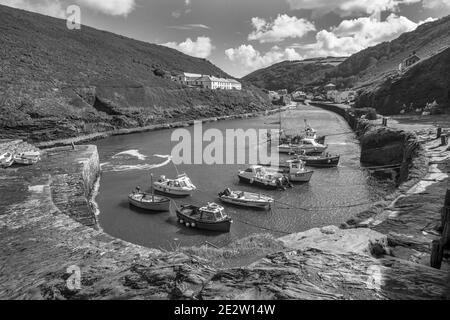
(332, 196)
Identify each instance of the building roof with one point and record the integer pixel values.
(191, 75)
(330, 85)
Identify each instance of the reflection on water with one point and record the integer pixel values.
(332, 196)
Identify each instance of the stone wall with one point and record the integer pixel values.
(382, 146)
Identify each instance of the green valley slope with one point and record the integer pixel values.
(292, 75)
(56, 83)
(373, 70)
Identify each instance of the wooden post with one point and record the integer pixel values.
(436, 254)
(447, 199)
(445, 240)
(439, 132)
(444, 140)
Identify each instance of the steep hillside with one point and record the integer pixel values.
(374, 71)
(292, 75)
(376, 63)
(423, 83)
(58, 83)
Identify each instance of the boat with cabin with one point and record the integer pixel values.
(307, 145)
(262, 177)
(181, 186)
(324, 160)
(27, 158)
(211, 217)
(6, 160)
(297, 172)
(246, 199)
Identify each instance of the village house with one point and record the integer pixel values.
(207, 81)
(345, 96)
(412, 59)
(329, 87)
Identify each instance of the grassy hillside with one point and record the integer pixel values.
(292, 75)
(423, 83)
(374, 71)
(57, 83)
(376, 63)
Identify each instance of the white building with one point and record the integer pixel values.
(341, 96)
(187, 78)
(208, 82)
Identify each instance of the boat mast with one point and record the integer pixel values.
(153, 190)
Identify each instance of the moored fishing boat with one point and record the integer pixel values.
(246, 199)
(324, 160)
(180, 186)
(6, 160)
(149, 201)
(307, 145)
(27, 158)
(259, 176)
(211, 217)
(298, 172)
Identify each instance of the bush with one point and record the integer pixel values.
(371, 114)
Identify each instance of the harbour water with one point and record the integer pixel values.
(332, 196)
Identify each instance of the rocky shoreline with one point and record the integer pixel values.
(48, 225)
(170, 125)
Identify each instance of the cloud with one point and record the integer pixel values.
(281, 28)
(187, 9)
(351, 36)
(56, 9)
(200, 48)
(347, 7)
(48, 7)
(436, 4)
(189, 26)
(110, 7)
(251, 59)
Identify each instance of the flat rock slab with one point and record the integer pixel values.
(320, 274)
(332, 238)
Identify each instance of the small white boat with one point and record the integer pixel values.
(27, 158)
(263, 177)
(181, 186)
(6, 160)
(148, 201)
(246, 199)
(298, 172)
(307, 145)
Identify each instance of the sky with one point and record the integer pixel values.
(241, 36)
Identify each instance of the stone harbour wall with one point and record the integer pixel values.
(47, 225)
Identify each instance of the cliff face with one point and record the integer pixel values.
(423, 83)
(57, 83)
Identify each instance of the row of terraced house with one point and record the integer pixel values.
(207, 81)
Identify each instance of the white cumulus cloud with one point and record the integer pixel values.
(436, 4)
(57, 8)
(347, 7)
(283, 27)
(52, 8)
(251, 59)
(351, 36)
(200, 48)
(110, 7)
